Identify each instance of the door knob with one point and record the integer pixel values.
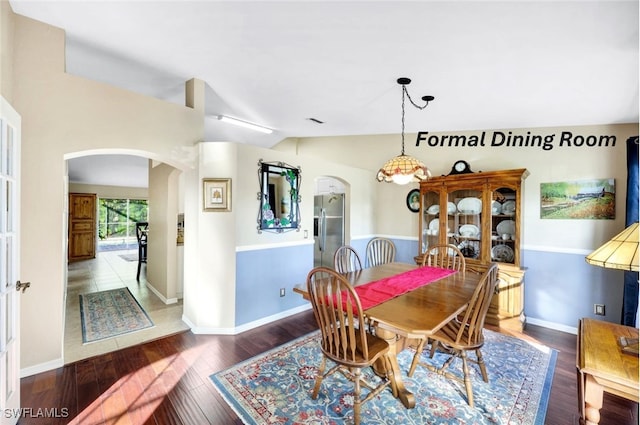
(22, 286)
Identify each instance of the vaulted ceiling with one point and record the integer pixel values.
(511, 64)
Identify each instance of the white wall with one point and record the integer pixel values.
(162, 249)
(209, 296)
(209, 280)
(65, 116)
(118, 192)
(558, 164)
(6, 50)
(361, 198)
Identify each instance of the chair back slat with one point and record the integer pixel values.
(338, 312)
(346, 259)
(141, 232)
(470, 332)
(446, 256)
(380, 251)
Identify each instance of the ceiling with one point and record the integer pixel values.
(110, 170)
(490, 65)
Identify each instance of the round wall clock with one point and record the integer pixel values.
(413, 200)
(460, 167)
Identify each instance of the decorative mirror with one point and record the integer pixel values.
(279, 197)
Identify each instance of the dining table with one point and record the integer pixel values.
(416, 313)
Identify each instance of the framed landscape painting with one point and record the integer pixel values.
(582, 199)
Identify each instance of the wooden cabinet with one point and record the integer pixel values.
(481, 214)
(82, 226)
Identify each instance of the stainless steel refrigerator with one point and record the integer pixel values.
(328, 227)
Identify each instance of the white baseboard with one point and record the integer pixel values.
(552, 325)
(42, 367)
(247, 326)
(159, 295)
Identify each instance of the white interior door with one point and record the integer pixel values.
(9, 264)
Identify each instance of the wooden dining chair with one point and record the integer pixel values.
(346, 259)
(345, 339)
(460, 336)
(380, 251)
(142, 229)
(447, 256)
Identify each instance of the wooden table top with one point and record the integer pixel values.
(599, 354)
(419, 312)
(426, 309)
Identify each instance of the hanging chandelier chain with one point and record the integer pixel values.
(426, 100)
(404, 90)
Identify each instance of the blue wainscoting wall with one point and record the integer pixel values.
(360, 245)
(560, 288)
(406, 250)
(261, 272)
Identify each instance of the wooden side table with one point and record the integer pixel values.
(602, 366)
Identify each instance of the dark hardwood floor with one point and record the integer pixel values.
(166, 381)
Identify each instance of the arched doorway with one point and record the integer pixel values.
(116, 267)
(330, 224)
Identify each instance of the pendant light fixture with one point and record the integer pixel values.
(403, 168)
(620, 253)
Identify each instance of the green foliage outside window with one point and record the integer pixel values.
(118, 217)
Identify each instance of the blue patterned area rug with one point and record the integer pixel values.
(275, 388)
(106, 314)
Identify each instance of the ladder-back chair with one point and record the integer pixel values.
(460, 336)
(380, 251)
(346, 259)
(345, 339)
(446, 256)
(142, 230)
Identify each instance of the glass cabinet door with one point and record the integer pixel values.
(504, 231)
(430, 220)
(464, 221)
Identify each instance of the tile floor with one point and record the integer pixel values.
(108, 271)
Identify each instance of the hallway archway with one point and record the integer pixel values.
(113, 268)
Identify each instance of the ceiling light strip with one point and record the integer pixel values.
(245, 124)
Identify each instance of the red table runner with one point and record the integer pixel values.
(373, 293)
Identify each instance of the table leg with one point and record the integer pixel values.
(593, 394)
(581, 378)
(406, 397)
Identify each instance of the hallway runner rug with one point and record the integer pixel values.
(275, 388)
(106, 314)
(129, 257)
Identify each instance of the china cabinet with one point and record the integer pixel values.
(480, 213)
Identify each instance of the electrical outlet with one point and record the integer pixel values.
(598, 309)
(282, 292)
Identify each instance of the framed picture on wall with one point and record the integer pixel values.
(413, 200)
(180, 234)
(581, 199)
(216, 194)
